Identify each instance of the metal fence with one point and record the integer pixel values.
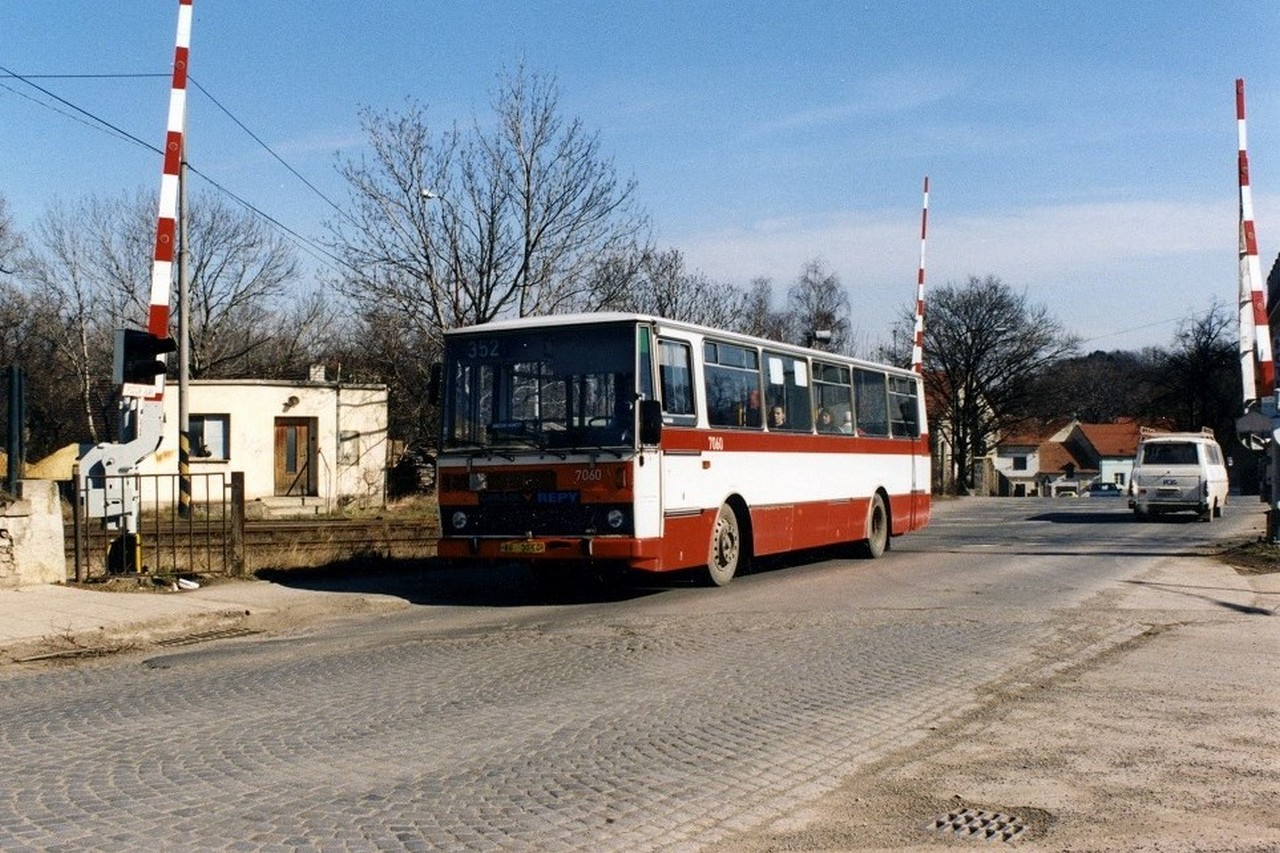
(207, 540)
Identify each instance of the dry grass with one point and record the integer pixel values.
(1253, 558)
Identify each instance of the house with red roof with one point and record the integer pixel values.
(1065, 458)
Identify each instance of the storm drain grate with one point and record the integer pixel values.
(205, 636)
(68, 654)
(986, 826)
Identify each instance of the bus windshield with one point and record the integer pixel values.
(553, 388)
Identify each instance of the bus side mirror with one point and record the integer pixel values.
(650, 422)
(433, 383)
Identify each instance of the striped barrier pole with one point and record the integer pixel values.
(1256, 364)
(917, 344)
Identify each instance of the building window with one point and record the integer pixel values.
(210, 437)
(1019, 463)
(348, 447)
(1119, 478)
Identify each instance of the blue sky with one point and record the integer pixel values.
(1082, 151)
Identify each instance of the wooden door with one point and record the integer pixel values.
(293, 474)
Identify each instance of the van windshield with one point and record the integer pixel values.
(1170, 453)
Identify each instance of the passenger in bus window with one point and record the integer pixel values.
(846, 423)
(777, 418)
(753, 408)
(826, 423)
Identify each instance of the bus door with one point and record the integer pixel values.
(647, 472)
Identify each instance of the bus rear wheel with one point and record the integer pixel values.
(877, 541)
(725, 553)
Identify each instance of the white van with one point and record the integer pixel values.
(1178, 472)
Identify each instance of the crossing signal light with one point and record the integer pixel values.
(137, 356)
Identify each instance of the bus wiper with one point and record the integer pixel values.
(615, 451)
(475, 449)
(546, 448)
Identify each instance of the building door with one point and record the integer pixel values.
(295, 457)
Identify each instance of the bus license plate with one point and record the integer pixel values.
(522, 547)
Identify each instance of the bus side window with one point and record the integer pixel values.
(644, 368)
(731, 375)
(675, 375)
(790, 406)
(903, 407)
(871, 395)
(833, 393)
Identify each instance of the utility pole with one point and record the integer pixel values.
(16, 441)
(184, 348)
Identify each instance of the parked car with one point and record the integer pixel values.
(1105, 490)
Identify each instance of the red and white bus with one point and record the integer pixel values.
(662, 445)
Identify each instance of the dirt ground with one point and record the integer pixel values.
(1168, 742)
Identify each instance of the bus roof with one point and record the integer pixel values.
(606, 317)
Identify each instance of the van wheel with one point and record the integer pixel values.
(877, 541)
(725, 552)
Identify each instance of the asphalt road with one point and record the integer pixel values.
(486, 716)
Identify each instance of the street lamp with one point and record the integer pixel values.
(428, 195)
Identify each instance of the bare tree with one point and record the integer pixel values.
(88, 272)
(1197, 382)
(984, 346)
(241, 276)
(817, 302)
(10, 242)
(658, 283)
(65, 278)
(1100, 387)
(758, 315)
(458, 228)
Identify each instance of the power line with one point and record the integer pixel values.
(269, 150)
(25, 77)
(1131, 329)
(96, 122)
(314, 248)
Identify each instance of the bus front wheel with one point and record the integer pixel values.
(877, 541)
(725, 553)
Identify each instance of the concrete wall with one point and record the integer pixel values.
(31, 543)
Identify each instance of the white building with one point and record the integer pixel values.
(314, 439)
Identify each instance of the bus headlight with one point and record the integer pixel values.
(616, 518)
(459, 520)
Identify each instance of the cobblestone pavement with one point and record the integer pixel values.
(658, 723)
